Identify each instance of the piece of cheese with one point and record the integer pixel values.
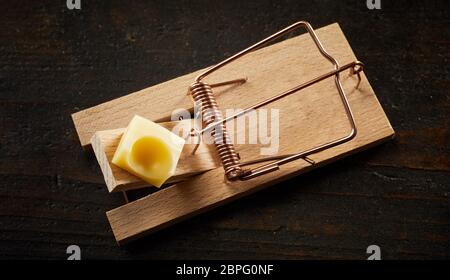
(148, 151)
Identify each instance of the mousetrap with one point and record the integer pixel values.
(311, 85)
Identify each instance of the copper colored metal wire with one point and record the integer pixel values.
(204, 99)
(213, 120)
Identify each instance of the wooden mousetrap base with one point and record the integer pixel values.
(307, 119)
(104, 144)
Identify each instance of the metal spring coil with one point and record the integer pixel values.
(203, 96)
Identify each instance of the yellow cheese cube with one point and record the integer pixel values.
(149, 151)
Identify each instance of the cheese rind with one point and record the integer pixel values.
(148, 151)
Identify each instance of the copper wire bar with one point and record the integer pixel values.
(284, 94)
(227, 154)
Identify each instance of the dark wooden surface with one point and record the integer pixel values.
(55, 62)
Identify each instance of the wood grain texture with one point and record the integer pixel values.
(55, 62)
(310, 118)
(104, 144)
(270, 70)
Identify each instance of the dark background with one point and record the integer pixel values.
(54, 62)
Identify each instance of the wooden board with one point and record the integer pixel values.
(104, 144)
(307, 119)
(270, 70)
(395, 195)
